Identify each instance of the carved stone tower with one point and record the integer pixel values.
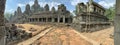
(80, 8)
(53, 10)
(35, 6)
(46, 8)
(19, 12)
(27, 10)
(90, 8)
(15, 13)
(61, 8)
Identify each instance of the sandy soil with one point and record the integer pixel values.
(102, 36)
(38, 28)
(64, 35)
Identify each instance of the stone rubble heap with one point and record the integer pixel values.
(14, 34)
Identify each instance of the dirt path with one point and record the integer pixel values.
(87, 39)
(102, 36)
(62, 36)
(33, 39)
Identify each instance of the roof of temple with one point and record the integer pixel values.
(96, 4)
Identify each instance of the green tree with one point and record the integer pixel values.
(110, 13)
(8, 15)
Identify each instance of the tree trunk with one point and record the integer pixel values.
(117, 24)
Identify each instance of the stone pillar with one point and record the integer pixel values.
(117, 24)
(53, 20)
(37, 19)
(58, 19)
(29, 20)
(46, 19)
(32, 19)
(41, 19)
(63, 19)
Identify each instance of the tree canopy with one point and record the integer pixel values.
(110, 13)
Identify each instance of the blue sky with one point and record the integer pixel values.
(11, 5)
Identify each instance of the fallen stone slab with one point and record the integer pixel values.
(33, 39)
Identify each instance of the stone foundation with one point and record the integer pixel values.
(2, 35)
(90, 28)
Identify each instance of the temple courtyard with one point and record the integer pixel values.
(47, 34)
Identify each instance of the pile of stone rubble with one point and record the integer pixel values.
(15, 34)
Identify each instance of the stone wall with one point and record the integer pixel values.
(117, 24)
(2, 28)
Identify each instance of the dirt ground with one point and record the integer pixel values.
(27, 28)
(102, 36)
(63, 35)
(60, 35)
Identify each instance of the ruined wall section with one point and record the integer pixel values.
(2, 23)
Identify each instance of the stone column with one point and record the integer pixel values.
(33, 20)
(58, 19)
(117, 24)
(46, 19)
(52, 19)
(41, 19)
(29, 20)
(37, 19)
(63, 19)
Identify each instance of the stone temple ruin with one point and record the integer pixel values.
(40, 14)
(89, 17)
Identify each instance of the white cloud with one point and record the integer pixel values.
(24, 4)
(104, 3)
(9, 10)
(42, 4)
(107, 3)
(31, 3)
(21, 5)
(75, 2)
(71, 11)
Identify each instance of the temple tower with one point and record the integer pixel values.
(46, 8)
(27, 10)
(61, 8)
(53, 10)
(15, 13)
(35, 7)
(80, 8)
(19, 12)
(90, 6)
